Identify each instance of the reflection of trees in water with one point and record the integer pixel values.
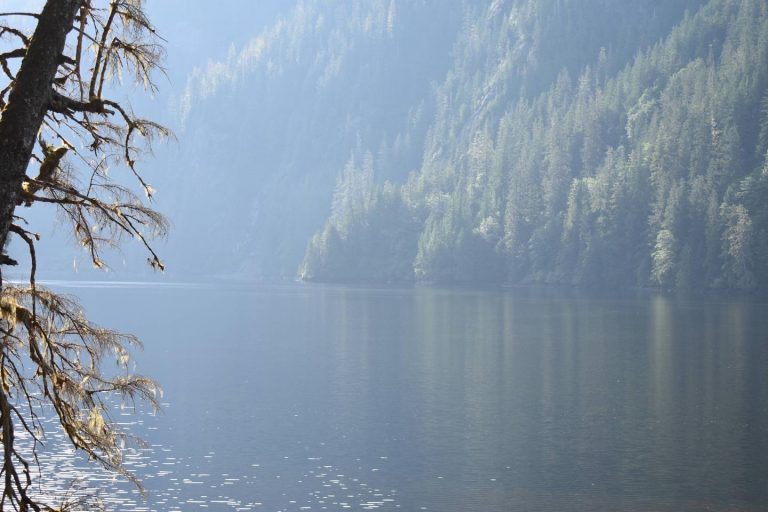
(618, 402)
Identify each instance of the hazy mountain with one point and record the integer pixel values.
(564, 141)
(266, 130)
(637, 163)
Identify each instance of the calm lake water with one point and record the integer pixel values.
(328, 398)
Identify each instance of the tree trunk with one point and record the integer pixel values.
(28, 103)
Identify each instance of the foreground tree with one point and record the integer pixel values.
(59, 134)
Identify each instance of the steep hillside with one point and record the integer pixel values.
(643, 164)
(266, 131)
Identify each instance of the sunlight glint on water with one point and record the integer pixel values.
(325, 398)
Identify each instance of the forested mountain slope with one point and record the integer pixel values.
(266, 131)
(624, 146)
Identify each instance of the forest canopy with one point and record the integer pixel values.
(630, 162)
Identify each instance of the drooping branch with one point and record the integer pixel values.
(96, 105)
(18, 33)
(67, 352)
(50, 355)
(14, 490)
(29, 238)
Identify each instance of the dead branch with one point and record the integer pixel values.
(50, 354)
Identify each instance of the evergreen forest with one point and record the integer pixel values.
(592, 143)
(643, 165)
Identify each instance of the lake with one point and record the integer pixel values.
(298, 397)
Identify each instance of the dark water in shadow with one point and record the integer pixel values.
(321, 398)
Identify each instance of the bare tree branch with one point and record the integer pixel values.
(50, 354)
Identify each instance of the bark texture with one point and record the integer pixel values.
(28, 103)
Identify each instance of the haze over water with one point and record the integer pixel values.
(331, 398)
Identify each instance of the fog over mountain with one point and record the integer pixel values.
(265, 131)
(506, 141)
